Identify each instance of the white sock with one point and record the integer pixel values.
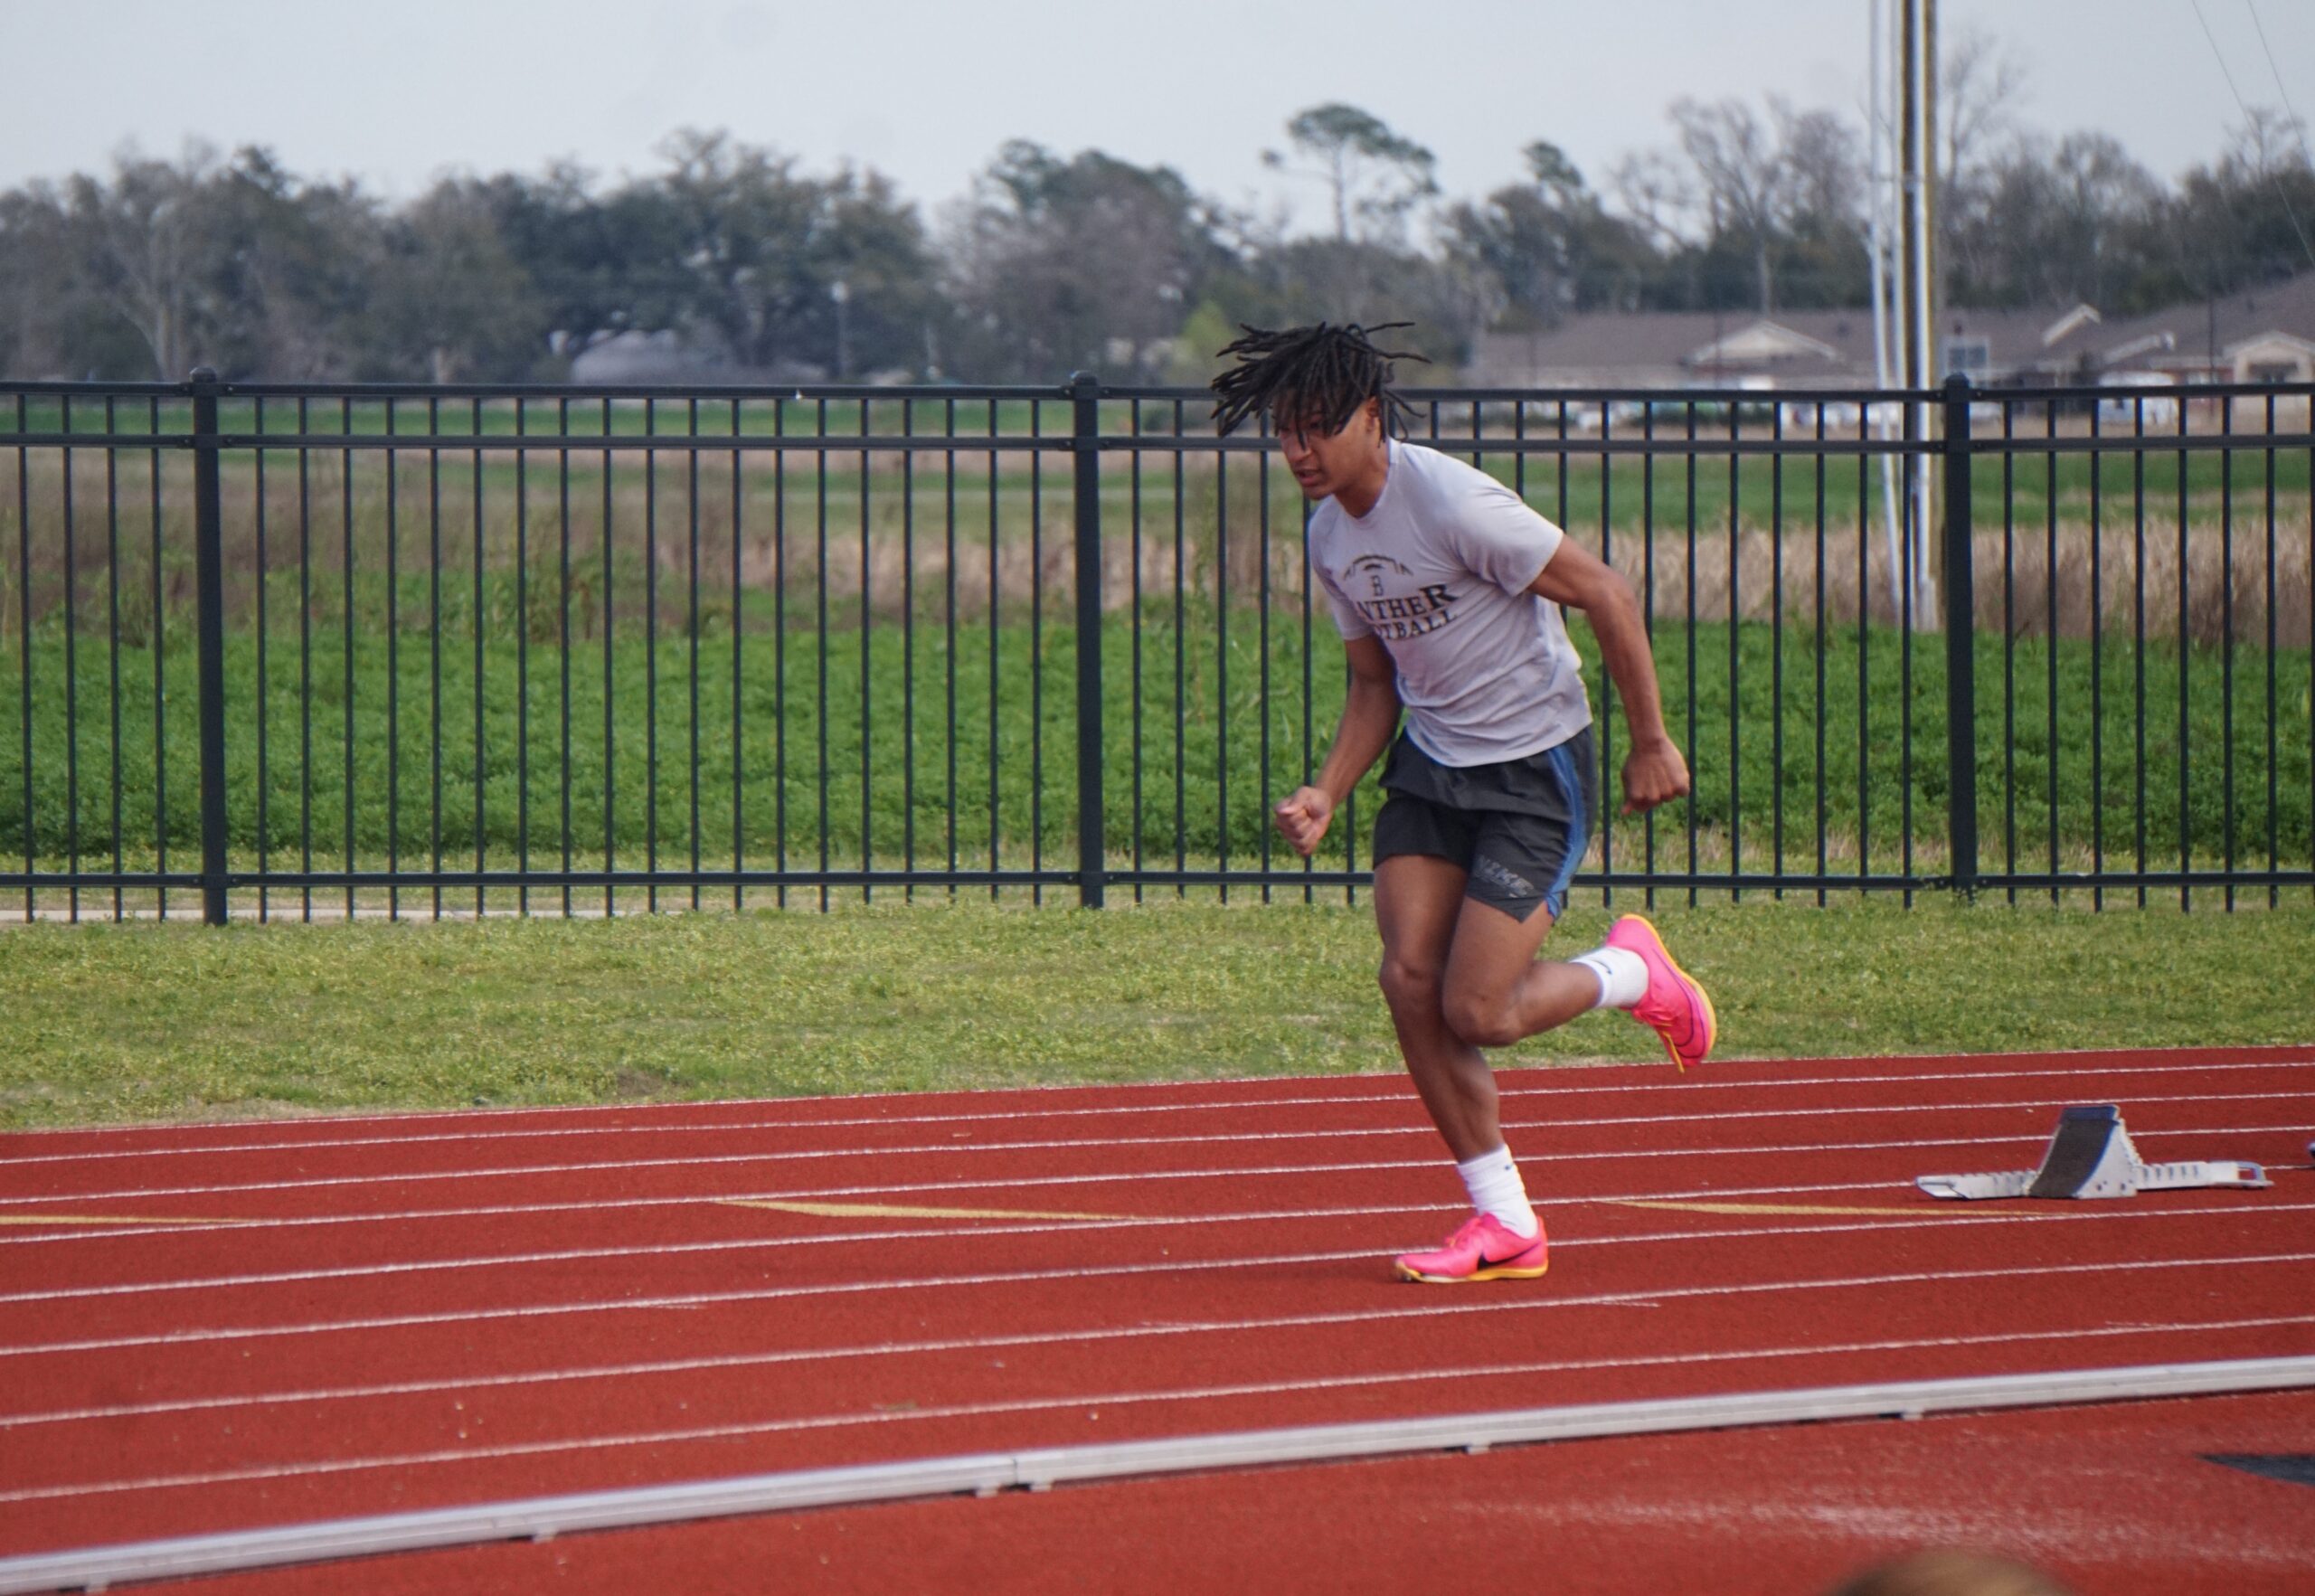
(1623, 976)
(1493, 1180)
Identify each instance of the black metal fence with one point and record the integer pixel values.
(332, 650)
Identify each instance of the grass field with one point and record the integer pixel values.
(865, 716)
(109, 1024)
(186, 1022)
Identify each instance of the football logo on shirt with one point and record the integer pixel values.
(1396, 619)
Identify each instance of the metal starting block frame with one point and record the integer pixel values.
(2091, 1157)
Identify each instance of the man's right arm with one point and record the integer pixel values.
(1370, 713)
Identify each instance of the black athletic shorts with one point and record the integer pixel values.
(1519, 828)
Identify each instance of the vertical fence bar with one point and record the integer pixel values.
(691, 511)
(346, 625)
(1085, 395)
(1181, 657)
(209, 602)
(610, 685)
(522, 660)
(1960, 644)
(739, 630)
(160, 671)
(1133, 423)
(112, 641)
(481, 830)
(2137, 635)
(1735, 653)
(25, 646)
(2050, 654)
(2097, 664)
(433, 648)
(1776, 646)
(2274, 723)
(305, 664)
(908, 646)
(650, 658)
(2186, 653)
(867, 683)
(948, 616)
(2010, 646)
(2226, 643)
(1036, 651)
(1916, 551)
(72, 671)
(257, 497)
(563, 626)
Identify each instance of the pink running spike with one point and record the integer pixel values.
(1675, 1007)
(1483, 1249)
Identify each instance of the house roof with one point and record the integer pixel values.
(2200, 329)
(1803, 347)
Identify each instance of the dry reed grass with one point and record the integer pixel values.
(2247, 583)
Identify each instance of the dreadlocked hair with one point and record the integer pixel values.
(1321, 373)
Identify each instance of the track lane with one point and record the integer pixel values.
(763, 1360)
(2117, 1499)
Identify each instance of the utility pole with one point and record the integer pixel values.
(1883, 220)
(1917, 267)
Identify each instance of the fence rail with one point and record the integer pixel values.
(337, 649)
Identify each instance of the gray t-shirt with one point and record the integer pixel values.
(1439, 570)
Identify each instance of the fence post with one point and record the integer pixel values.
(209, 606)
(1092, 860)
(1960, 646)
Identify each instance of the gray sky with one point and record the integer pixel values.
(396, 92)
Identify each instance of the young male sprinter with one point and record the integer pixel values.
(1448, 591)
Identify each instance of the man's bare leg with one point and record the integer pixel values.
(1417, 902)
(1497, 992)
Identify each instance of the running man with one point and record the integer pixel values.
(1448, 591)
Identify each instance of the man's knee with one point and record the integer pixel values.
(1410, 987)
(1482, 1018)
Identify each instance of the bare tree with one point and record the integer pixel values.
(1745, 171)
(1656, 196)
(1375, 175)
(141, 234)
(1979, 85)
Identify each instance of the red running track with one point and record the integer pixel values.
(241, 1325)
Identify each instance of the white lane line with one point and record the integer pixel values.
(1914, 1216)
(980, 1343)
(1120, 1399)
(1020, 1182)
(721, 1199)
(1029, 1277)
(1399, 1099)
(1092, 1144)
(1996, 1066)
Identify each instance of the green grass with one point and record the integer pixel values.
(1757, 775)
(109, 1023)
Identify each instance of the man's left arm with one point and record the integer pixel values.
(1576, 578)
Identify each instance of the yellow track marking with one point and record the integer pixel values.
(1764, 1207)
(112, 1219)
(896, 1211)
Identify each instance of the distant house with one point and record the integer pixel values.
(636, 358)
(2262, 336)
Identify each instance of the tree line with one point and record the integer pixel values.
(1054, 262)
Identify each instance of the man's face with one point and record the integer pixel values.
(1323, 462)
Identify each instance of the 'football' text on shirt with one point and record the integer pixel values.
(1399, 618)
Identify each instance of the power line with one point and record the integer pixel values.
(2280, 92)
(2243, 106)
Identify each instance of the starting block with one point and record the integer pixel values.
(2091, 1157)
